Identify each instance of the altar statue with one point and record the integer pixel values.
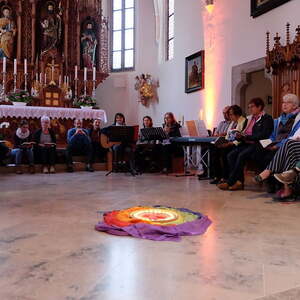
(51, 28)
(8, 32)
(89, 45)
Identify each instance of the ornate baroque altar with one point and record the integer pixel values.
(56, 50)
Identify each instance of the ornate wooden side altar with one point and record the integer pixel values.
(283, 61)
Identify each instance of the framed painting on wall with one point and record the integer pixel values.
(259, 7)
(194, 72)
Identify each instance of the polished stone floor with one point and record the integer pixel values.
(49, 249)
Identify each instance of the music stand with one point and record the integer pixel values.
(121, 134)
(154, 133)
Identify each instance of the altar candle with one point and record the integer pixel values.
(37, 76)
(45, 78)
(25, 65)
(15, 67)
(59, 80)
(4, 64)
(67, 80)
(41, 78)
(76, 72)
(85, 74)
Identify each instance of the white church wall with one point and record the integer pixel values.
(229, 36)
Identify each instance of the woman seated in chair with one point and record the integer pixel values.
(219, 154)
(46, 145)
(23, 147)
(147, 150)
(124, 149)
(172, 129)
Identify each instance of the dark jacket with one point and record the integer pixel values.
(174, 131)
(262, 129)
(18, 142)
(37, 136)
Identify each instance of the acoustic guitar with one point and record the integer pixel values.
(105, 143)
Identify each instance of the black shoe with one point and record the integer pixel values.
(271, 185)
(88, 168)
(70, 169)
(215, 181)
(202, 176)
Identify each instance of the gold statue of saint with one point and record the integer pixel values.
(8, 32)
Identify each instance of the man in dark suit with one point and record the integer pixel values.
(259, 127)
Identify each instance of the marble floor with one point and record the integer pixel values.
(49, 249)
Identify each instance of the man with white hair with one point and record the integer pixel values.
(45, 140)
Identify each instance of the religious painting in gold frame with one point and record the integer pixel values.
(194, 72)
(259, 7)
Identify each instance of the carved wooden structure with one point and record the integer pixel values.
(284, 63)
(28, 16)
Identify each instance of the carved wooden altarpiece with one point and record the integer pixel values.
(55, 36)
(283, 61)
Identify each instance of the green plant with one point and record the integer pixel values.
(20, 96)
(86, 101)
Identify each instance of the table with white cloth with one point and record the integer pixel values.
(62, 119)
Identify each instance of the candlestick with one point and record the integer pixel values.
(15, 82)
(94, 73)
(25, 65)
(85, 74)
(25, 81)
(85, 87)
(4, 64)
(76, 92)
(94, 89)
(76, 72)
(15, 66)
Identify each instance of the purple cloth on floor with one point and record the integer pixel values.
(158, 233)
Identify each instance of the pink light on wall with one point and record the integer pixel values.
(214, 54)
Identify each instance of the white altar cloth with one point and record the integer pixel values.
(51, 112)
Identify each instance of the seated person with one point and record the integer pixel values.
(147, 150)
(220, 152)
(46, 145)
(95, 136)
(23, 147)
(284, 128)
(4, 153)
(124, 149)
(79, 143)
(285, 159)
(259, 126)
(223, 125)
(172, 129)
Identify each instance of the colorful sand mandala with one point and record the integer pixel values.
(156, 223)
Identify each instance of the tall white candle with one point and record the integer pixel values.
(59, 81)
(37, 76)
(25, 65)
(45, 78)
(94, 73)
(76, 72)
(15, 67)
(85, 74)
(41, 78)
(67, 80)
(4, 64)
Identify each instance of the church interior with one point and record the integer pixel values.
(149, 149)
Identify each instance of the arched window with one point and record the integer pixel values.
(123, 35)
(170, 29)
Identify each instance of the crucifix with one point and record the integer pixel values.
(52, 66)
